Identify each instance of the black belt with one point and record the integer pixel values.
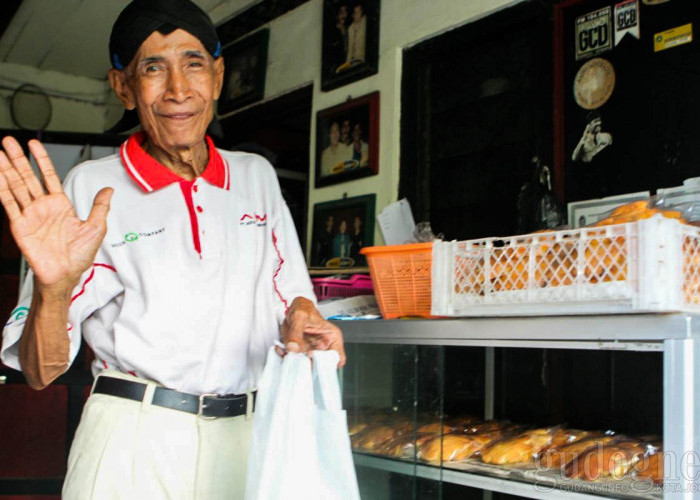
(206, 405)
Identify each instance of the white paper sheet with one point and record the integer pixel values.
(396, 223)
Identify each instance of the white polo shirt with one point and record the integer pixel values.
(193, 278)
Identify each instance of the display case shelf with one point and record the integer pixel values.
(509, 486)
(624, 329)
(676, 336)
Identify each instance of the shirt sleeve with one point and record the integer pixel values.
(290, 273)
(97, 286)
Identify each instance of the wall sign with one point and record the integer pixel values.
(593, 33)
(673, 37)
(626, 20)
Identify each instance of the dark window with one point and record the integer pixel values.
(476, 108)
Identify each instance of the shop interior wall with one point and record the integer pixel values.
(294, 59)
(79, 104)
(402, 24)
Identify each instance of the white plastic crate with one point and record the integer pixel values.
(643, 266)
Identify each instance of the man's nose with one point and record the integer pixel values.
(178, 85)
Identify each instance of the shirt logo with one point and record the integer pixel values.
(17, 314)
(131, 237)
(253, 219)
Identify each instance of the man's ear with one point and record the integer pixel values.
(218, 76)
(117, 79)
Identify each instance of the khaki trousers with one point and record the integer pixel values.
(133, 450)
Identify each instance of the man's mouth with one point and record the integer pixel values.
(178, 116)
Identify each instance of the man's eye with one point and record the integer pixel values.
(152, 68)
(196, 64)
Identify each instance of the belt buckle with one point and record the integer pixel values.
(201, 405)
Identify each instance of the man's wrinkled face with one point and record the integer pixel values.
(173, 82)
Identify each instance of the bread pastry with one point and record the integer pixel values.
(606, 258)
(555, 262)
(509, 268)
(487, 426)
(458, 424)
(453, 447)
(609, 461)
(372, 439)
(357, 428)
(637, 210)
(565, 454)
(652, 467)
(563, 437)
(520, 449)
(434, 428)
(406, 446)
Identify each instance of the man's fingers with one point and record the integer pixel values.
(293, 335)
(48, 172)
(337, 344)
(21, 164)
(8, 200)
(100, 207)
(14, 181)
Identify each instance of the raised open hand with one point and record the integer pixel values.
(58, 246)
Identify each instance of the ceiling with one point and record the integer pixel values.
(71, 36)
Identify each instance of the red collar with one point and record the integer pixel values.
(151, 175)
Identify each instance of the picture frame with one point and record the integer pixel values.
(350, 41)
(340, 228)
(347, 141)
(245, 64)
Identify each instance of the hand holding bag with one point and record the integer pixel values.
(300, 446)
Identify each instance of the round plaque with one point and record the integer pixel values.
(594, 83)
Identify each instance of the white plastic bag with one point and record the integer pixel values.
(301, 447)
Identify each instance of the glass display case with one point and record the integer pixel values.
(423, 395)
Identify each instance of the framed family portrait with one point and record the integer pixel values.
(245, 63)
(340, 229)
(347, 141)
(350, 45)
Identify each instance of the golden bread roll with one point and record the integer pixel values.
(563, 455)
(453, 447)
(406, 446)
(373, 438)
(487, 426)
(357, 428)
(520, 449)
(630, 208)
(637, 210)
(563, 437)
(509, 268)
(435, 428)
(606, 259)
(462, 421)
(609, 461)
(652, 467)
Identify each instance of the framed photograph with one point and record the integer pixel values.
(245, 63)
(347, 141)
(340, 229)
(350, 44)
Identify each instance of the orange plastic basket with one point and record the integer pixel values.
(401, 275)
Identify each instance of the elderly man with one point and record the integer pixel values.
(178, 264)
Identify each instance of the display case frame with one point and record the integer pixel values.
(675, 335)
